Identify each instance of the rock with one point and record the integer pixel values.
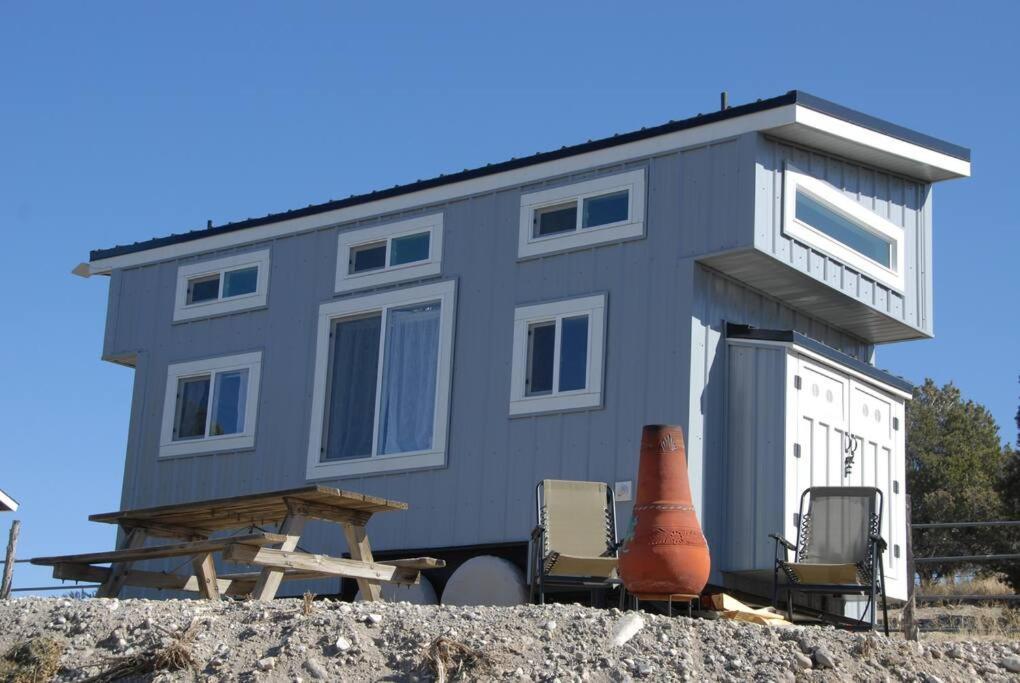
(550, 626)
(315, 669)
(342, 644)
(266, 663)
(957, 653)
(626, 628)
(801, 661)
(929, 678)
(374, 619)
(1011, 663)
(824, 659)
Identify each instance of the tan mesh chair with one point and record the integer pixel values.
(574, 544)
(839, 547)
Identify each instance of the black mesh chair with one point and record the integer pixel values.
(838, 550)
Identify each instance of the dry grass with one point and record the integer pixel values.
(988, 585)
(176, 656)
(32, 661)
(449, 660)
(308, 603)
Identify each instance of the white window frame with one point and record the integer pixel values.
(221, 306)
(558, 401)
(632, 228)
(252, 362)
(347, 281)
(445, 294)
(834, 199)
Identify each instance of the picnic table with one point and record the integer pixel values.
(228, 526)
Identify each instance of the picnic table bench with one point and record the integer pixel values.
(193, 525)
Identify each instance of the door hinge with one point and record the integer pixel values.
(896, 550)
(796, 519)
(896, 487)
(796, 381)
(796, 450)
(896, 424)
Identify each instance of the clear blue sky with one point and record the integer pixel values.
(123, 121)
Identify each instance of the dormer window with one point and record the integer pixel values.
(826, 219)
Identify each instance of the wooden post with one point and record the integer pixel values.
(907, 613)
(118, 570)
(205, 573)
(357, 543)
(12, 543)
(269, 579)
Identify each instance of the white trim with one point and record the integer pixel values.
(885, 144)
(689, 137)
(445, 293)
(794, 180)
(7, 503)
(347, 281)
(787, 117)
(828, 362)
(252, 362)
(221, 306)
(633, 227)
(589, 397)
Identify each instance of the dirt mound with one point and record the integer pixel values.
(175, 640)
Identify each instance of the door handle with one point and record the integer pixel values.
(851, 450)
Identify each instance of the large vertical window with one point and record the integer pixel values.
(558, 351)
(381, 395)
(210, 405)
(826, 219)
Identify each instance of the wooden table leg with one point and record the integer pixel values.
(357, 542)
(269, 579)
(205, 571)
(118, 570)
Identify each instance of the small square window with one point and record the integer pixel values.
(541, 354)
(240, 282)
(409, 249)
(606, 209)
(204, 289)
(557, 356)
(368, 257)
(210, 405)
(554, 220)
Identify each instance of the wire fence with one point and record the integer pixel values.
(966, 559)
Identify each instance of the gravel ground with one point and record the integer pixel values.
(250, 641)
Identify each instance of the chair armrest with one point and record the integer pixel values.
(783, 542)
(879, 541)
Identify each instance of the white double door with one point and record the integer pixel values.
(844, 431)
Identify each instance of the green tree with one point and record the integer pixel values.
(955, 465)
(1009, 494)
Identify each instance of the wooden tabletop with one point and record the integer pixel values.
(253, 509)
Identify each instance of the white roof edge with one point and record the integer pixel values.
(7, 503)
(785, 121)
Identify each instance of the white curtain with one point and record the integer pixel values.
(352, 394)
(407, 408)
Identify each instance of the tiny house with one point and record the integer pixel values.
(451, 342)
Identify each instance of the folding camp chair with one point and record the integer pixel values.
(838, 549)
(574, 544)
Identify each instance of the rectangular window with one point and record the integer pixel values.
(557, 361)
(606, 209)
(210, 405)
(221, 286)
(826, 219)
(395, 252)
(382, 387)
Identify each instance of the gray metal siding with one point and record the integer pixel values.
(902, 201)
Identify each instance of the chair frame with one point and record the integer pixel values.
(540, 581)
(878, 547)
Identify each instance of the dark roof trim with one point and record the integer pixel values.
(734, 331)
(792, 97)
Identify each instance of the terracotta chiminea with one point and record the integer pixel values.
(665, 552)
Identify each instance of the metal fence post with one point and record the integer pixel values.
(907, 614)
